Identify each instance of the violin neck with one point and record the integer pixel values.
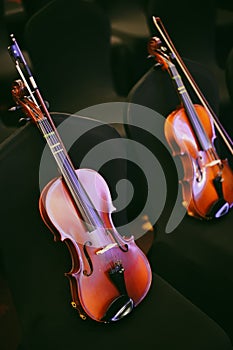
(204, 141)
(81, 199)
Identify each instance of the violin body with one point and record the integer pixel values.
(110, 275)
(200, 190)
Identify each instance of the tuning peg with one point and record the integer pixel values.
(14, 108)
(17, 107)
(22, 121)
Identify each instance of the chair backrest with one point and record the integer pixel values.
(191, 26)
(33, 6)
(229, 82)
(69, 46)
(229, 74)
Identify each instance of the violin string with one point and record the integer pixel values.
(63, 163)
(190, 109)
(69, 174)
(196, 122)
(91, 212)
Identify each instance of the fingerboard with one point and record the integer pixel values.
(198, 129)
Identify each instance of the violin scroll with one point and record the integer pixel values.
(18, 90)
(158, 51)
(30, 108)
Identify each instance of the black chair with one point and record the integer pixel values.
(70, 50)
(229, 73)
(224, 31)
(32, 7)
(129, 25)
(229, 77)
(197, 257)
(34, 265)
(193, 29)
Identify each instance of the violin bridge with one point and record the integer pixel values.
(106, 248)
(213, 163)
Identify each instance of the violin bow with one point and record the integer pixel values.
(29, 82)
(175, 55)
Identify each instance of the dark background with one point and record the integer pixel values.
(107, 71)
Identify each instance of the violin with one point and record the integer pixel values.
(110, 275)
(207, 185)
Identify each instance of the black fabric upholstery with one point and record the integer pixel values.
(34, 267)
(192, 29)
(229, 82)
(129, 24)
(70, 54)
(197, 257)
(33, 6)
(190, 26)
(229, 73)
